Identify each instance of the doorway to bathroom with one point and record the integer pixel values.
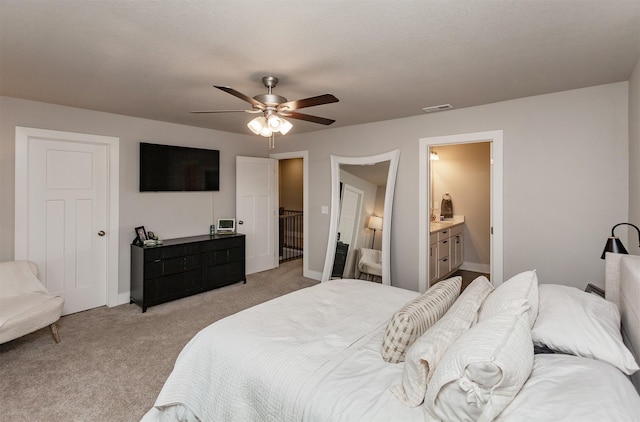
(433, 183)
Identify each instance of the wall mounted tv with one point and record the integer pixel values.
(172, 168)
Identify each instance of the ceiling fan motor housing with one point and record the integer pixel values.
(270, 99)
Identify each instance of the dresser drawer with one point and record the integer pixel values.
(164, 252)
(225, 243)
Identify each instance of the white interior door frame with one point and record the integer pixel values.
(495, 137)
(113, 203)
(305, 206)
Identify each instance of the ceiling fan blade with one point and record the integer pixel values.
(308, 102)
(308, 118)
(253, 102)
(226, 111)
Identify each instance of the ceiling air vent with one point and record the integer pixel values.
(438, 108)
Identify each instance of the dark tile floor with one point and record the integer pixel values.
(468, 277)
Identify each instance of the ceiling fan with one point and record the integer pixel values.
(274, 108)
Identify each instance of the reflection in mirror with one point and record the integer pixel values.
(361, 190)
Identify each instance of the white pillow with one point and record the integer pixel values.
(423, 356)
(573, 388)
(409, 322)
(582, 324)
(519, 290)
(483, 370)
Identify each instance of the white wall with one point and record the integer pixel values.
(290, 180)
(634, 160)
(565, 178)
(168, 214)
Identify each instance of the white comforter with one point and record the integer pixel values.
(314, 355)
(265, 362)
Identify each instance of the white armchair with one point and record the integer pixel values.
(369, 263)
(25, 304)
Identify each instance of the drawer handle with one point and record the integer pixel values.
(445, 260)
(444, 241)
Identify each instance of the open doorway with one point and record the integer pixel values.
(427, 197)
(460, 201)
(293, 203)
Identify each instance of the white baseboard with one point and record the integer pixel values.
(475, 267)
(315, 275)
(123, 299)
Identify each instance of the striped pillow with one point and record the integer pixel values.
(413, 319)
(425, 354)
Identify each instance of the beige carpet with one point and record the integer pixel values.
(112, 362)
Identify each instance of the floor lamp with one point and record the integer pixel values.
(375, 223)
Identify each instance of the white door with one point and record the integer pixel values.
(349, 223)
(256, 211)
(66, 223)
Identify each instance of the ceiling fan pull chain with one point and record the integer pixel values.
(272, 142)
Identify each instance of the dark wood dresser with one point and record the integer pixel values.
(184, 267)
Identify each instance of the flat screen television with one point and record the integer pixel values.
(166, 168)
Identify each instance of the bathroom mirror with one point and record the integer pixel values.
(361, 219)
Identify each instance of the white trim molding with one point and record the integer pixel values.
(495, 138)
(23, 134)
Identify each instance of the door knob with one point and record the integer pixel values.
(101, 233)
(240, 222)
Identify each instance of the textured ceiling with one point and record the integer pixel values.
(382, 59)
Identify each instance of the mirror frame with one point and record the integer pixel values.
(394, 158)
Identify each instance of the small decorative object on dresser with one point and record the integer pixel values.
(141, 233)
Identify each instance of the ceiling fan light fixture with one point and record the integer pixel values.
(285, 126)
(266, 132)
(273, 107)
(274, 122)
(256, 125)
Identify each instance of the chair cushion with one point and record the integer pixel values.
(31, 318)
(370, 261)
(18, 277)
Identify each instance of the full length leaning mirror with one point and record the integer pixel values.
(351, 227)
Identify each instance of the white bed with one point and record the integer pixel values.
(315, 355)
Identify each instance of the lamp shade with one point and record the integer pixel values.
(285, 126)
(375, 223)
(614, 245)
(256, 125)
(274, 122)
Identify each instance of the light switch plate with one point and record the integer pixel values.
(324, 209)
